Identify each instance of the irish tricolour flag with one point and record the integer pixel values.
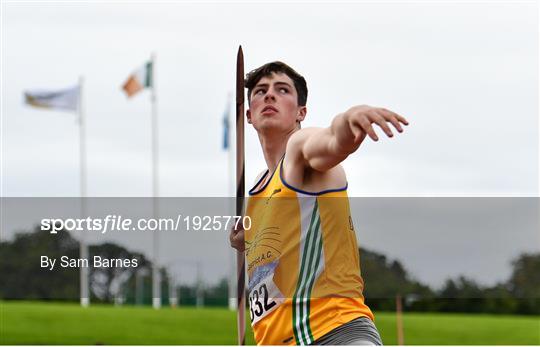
(138, 80)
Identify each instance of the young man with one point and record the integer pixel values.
(302, 257)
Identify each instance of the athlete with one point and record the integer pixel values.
(305, 285)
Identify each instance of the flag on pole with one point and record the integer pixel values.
(139, 79)
(65, 99)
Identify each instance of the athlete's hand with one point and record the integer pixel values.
(360, 120)
(236, 237)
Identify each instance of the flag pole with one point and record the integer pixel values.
(156, 276)
(83, 247)
(240, 192)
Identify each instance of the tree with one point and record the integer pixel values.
(524, 283)
(385, 279)
(107, 282)
(461, 295)
(22, 276)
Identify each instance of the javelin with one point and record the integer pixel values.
(240, 191)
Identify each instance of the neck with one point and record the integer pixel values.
(273, 146)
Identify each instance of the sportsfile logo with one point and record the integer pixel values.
(111, 222)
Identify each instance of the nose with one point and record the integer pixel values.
(269, 96)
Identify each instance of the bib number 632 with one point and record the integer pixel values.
(259, 302)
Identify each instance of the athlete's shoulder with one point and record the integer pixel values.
(295, 144)
(300, 136)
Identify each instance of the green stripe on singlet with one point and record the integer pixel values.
(310, 280)
(311, 283)
(298, 334)
(306, 263)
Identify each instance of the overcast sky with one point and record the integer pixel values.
(464, 75)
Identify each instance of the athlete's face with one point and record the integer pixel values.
(274, 104)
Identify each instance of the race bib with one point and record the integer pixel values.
(264, 296)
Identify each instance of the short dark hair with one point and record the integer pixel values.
(254, 76)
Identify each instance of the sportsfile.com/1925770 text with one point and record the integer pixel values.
(119, 223)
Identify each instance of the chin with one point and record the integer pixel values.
(269, 124)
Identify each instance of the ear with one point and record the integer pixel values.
(302, 111)
(248, 115)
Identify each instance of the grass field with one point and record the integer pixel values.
(58, 323)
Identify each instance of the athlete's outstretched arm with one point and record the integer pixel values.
(322, 149)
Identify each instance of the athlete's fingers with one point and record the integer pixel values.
(392, 118)
(357, 132)
(236, 238)
(237, 225)
(236, 229)
(400, 118)
(366, 126)
(381, 121)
